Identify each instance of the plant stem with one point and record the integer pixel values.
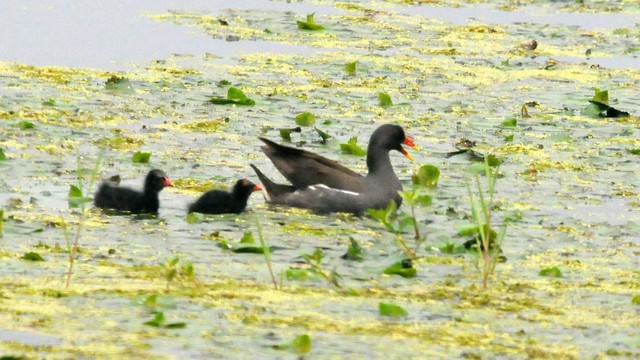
(267, 254)
(411, 253)
(74, 249)
(415, 221)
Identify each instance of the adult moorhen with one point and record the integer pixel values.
(325, 186)
(223, 202)
(146, 201)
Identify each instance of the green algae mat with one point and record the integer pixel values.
(556, 104)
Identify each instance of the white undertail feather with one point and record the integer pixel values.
(264, 191)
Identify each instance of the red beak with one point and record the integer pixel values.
(407, 141)
(256, 188)
(167, 182)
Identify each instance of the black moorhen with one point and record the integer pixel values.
(325, 186)
(114, 197)
(222, 202)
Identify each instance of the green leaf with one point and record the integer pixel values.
(474, 231)
(354, 251)
(386, 215)
(323, 135)
(285, 134)
(427, 175)
(636, 300)
(76, 198)
(630, 151)
(601, 97)
(385, 99)
(305, 119)
(151, 301)
(195, 218)
(223, 83)
(119, 84)
(50, 102)
(141, 157)
(350, 68)
(249, 250)
(508, 138)
(405, 220)
(594, 110)
(451, 248)
(401, 268)
(235, 94)
(32, 256)
(352, 148)
(24, 125)
(176, 325)
(74, 191)
(310, 24)
(493, 161)
(157, 321)
(551, 272)
(510, 122)
(222, 101)
(301, 344)
(2, 155)
(392, 310)
(423, 200)
(247, 238)
(297, 274)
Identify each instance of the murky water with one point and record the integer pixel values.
(568, 181)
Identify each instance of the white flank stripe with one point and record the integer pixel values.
(314, 187)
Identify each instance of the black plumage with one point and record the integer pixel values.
(110, 196)
(223, 202)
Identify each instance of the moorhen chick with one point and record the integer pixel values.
(223, 202)
(325, 186)
(110, 196)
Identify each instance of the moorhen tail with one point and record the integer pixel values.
(110, 196)
(325, 186)
(223, 202)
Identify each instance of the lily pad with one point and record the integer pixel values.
(305, 119)
(391, 310)
(350, 68)
(235, 96)
(552, 271)
(310, 24)
(351, 147)
(402, 268)
(141, 157)
(427, 175)
(32, 256)
(119, 85)
(385, 99)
